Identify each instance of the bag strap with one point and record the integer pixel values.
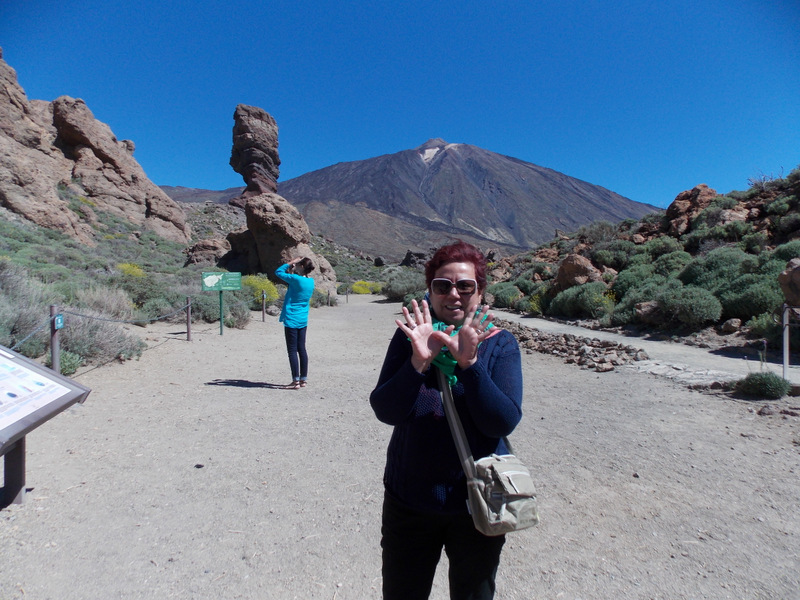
(457, 429)
(460, 439)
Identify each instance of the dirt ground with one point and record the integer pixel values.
(190, 474)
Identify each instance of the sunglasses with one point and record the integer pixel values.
(442, 286)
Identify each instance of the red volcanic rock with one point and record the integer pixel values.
(255, 150)
(575, 270)
(56, 155)
(686, 206)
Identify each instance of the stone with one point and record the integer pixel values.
(575, 270)
(731, 326)
(789, 280)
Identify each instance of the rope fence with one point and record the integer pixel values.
(56, 323)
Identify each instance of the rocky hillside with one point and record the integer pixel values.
(62, 169)
(416, 198)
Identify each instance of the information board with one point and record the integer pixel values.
(218, 282)
(31, 394)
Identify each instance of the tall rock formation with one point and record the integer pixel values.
(255, 151)
(276, 231)
(60, 168)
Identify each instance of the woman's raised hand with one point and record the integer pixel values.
(464, 345)
(419, 329)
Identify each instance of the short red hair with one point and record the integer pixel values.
(457, 252)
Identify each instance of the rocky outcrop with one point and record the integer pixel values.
(62, 169)
(275, 231)
(686, 206)
(255, 151)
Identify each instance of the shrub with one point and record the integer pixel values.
(362, 287)
(786, 252)
(97, 340)
(662, 245)
(260, 288)
(764, 326)
(714, 269)
(764, 385)
(113, 302)
(749, 295)
(690, 306)
(402, 282)
(615, 254)
(754, 243)
(131, 270)
(505, 294)
(68, 361)
(631, 278)
(587, 300)
(671, 263)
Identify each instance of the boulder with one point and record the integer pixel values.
(789, 281)
(575, 270)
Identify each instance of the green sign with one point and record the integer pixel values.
(218, 282)
(58, 321)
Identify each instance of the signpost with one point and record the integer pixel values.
(30, 394)
(216, 281)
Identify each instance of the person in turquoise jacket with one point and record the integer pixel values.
(294, 315)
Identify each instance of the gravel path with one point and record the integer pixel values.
(190, 474)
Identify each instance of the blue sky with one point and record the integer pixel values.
(644, 98)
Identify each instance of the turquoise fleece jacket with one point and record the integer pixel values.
(294, 313)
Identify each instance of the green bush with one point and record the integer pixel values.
(587, 300)
(615, 254)
(749, 295)
(690, 306)
(764, 326)
(631, 278)
(662, 245)
(69, 362)
(505, 294)
(764, 385)
(786, 252)
(401, 282)
(713, 270)
(672, 263)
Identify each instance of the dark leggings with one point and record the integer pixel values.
(412, 543)
(296, 347)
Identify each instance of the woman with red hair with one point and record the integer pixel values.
(425, 500)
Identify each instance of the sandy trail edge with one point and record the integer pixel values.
(187, 474)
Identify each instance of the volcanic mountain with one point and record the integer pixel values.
(418, 199)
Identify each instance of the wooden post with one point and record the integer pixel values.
(188, 318)
(55, 349)
(785, 321)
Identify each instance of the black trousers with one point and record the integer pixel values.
(412, 544)
(296, 348)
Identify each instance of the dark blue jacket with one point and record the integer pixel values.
(422, 466)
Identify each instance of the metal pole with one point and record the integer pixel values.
(14, 479)
(188, 318)
(55, 349)
(263, 305)
(785, 320)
